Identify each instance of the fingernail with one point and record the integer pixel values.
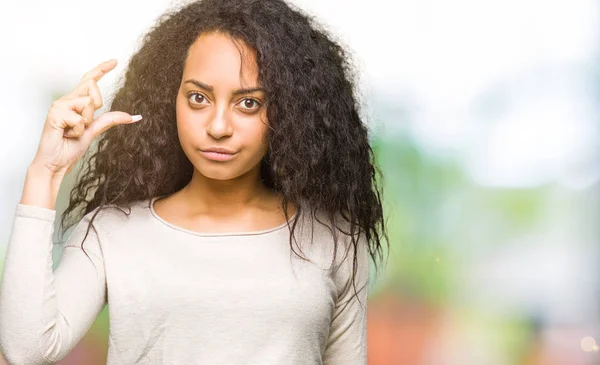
(135, 118)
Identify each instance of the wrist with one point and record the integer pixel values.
(41, 187)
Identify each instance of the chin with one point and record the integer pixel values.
(219, 173)
(223, 171)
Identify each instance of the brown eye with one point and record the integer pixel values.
(196, 98)
(250, 104)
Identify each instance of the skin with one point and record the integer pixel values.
(222, 196)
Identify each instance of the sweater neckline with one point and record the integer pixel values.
(218, 234)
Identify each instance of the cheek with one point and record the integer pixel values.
(263, 126)
(258, 135)
(179, 115)
(183, 116)
(179, 104)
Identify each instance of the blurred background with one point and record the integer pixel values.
(484, 118)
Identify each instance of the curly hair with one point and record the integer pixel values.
(318, 146)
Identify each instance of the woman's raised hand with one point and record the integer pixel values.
(70, 128)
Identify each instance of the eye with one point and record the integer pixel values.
(196, 98)
(250, 104)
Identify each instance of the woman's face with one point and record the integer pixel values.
(220, 105)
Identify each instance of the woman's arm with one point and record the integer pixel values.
(44, 314)
(347, 344)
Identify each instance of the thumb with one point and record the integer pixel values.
(108, 120)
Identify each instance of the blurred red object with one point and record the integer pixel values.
(399, 330)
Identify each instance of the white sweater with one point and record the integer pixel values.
(181, 297)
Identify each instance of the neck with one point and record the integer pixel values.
(221, 196)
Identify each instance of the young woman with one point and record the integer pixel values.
(227, 214)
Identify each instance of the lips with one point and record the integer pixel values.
(219, 154)
(220, 150)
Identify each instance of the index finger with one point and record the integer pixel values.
(100, 70)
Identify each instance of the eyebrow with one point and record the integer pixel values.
(211, 89)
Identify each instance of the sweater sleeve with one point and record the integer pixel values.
(44, 313)
(347, 343)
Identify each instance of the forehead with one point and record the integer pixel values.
(221, 60)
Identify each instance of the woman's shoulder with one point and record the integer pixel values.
(112, 215)
(330, 232)
(325, 223)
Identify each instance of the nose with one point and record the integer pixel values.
(220, 125)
